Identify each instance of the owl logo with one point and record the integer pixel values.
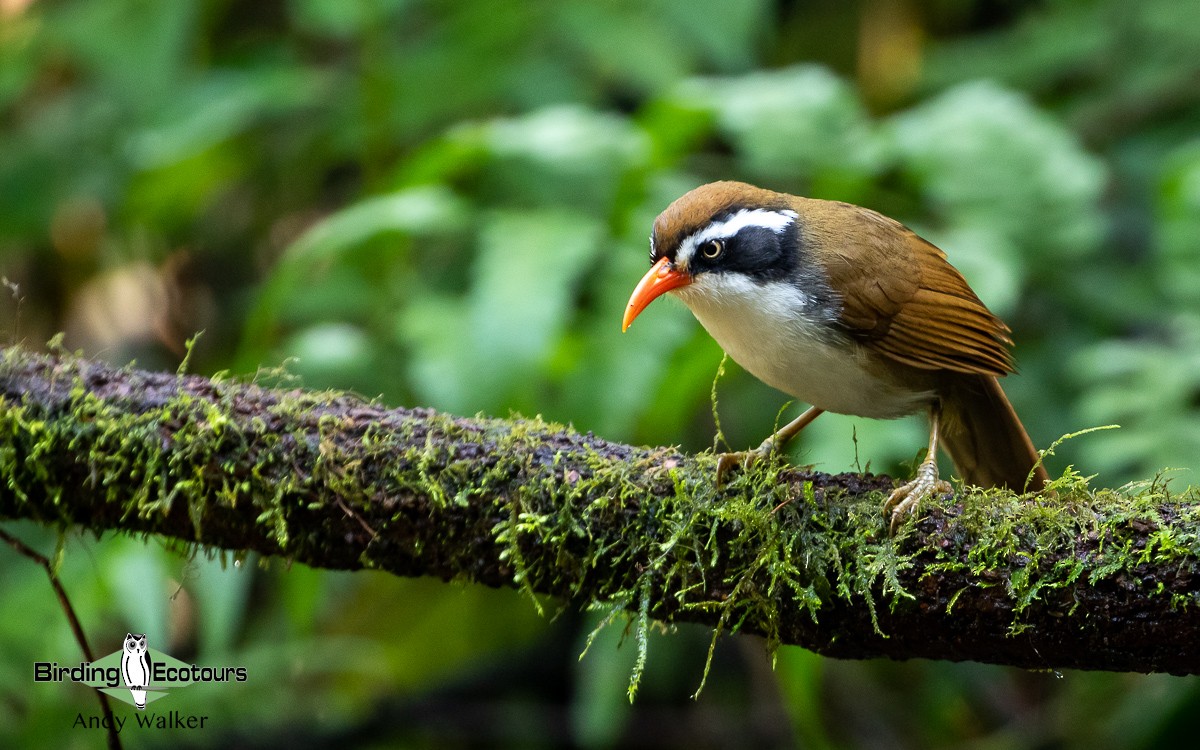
(135, 667)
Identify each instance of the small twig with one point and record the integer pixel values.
(351, 514)
(114, 741)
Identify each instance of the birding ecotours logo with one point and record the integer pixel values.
(136, 673)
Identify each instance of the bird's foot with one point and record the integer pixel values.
(727, 462)
(905, 498)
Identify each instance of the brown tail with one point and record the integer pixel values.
(984, 436)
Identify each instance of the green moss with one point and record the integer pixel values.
(651, 535)
(765, 548)
(186, 451)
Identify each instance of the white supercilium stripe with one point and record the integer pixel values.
(776, 221)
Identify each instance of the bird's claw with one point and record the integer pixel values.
(905, 498)
(727, 462)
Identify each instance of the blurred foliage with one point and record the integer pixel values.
(446, 204)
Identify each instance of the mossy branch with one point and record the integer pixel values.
(1088, 579)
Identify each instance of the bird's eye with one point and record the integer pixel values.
(712, 249)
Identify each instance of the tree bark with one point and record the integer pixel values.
(1081, 579)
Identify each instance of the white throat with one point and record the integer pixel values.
(773, 330)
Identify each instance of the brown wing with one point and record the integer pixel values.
(903, 299)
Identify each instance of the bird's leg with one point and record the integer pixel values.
(778, 439)
(905, 498)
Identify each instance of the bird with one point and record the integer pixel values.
(851, 312)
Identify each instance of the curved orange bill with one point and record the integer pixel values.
(660, 278)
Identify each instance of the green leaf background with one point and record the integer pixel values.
(446, 204)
